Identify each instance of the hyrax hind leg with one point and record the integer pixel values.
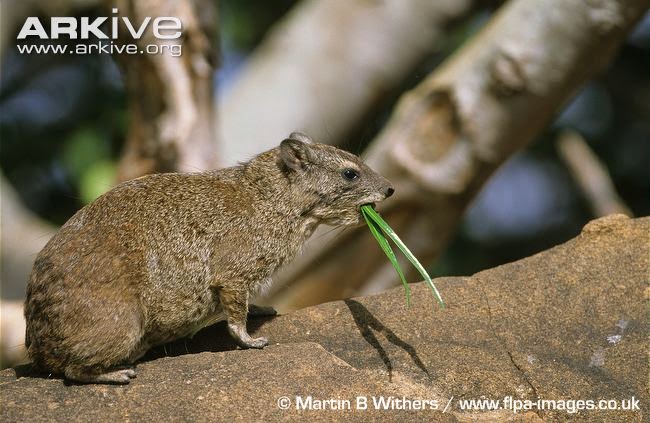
(102, 347)
(116, 376)
(234, 303)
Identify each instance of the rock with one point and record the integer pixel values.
(12, 328)
(567, 324)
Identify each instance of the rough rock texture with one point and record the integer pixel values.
(566, 324)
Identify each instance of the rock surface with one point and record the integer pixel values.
(565, 324)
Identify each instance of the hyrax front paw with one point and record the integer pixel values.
(259, 343)
(243, 339)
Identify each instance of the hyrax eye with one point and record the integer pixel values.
(350, 174)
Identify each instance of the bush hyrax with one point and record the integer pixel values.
(159, 257)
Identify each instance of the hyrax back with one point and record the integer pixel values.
(159, 257)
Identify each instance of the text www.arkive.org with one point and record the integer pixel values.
(100, 47)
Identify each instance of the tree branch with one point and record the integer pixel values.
(590, 175)
(449, 134)
(326, 65)
(171, 97)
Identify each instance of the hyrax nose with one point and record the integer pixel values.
(389, 191)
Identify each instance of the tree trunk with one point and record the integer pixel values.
(449, 134)
(170, 98)
(23, 235)
(324, 67)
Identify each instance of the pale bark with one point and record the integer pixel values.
(170, 98)
(448, 135)
(323, 68)
(12, 334)
(591, 175)
(23, 235)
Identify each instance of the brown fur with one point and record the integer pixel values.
(159, 257)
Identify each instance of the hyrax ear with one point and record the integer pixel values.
(301, 137)
(295, 154)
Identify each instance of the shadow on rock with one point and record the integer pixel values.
(365, 321)
(29, 370)
(214, 338)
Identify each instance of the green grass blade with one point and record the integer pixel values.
(385, 246)
(373, 216)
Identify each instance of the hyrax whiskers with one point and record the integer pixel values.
(159, 257)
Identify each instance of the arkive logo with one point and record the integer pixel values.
(163, 27)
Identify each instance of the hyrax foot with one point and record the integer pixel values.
(261, 311)
(120, 377)
(260, 342)
(123, 376)
(243, 339)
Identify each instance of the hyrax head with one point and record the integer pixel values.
(336, 182)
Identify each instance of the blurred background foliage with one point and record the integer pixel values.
(63, 120)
